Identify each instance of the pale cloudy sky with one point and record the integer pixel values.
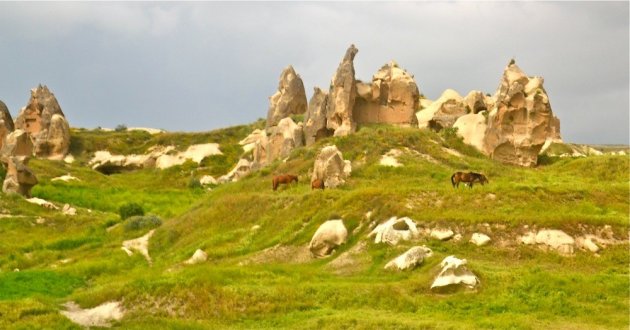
(199, 66)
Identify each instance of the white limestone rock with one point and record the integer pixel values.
(410, 259)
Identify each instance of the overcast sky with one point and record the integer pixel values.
(201, 66)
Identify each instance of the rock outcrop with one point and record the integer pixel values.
(328, 236)
(330, 167)
(19, 179)
(454, 272)
(480, 239)
(315, 120)
(16, 143)
(249, 142)
(391, 98)
(551, 239)
(290, 99)
(521, 120)
(410, 259)
(198, 257)
(442, 234)
(45, 123)
(477, 102)
(242, 168)
(99, 316)
(472, 128)
(443, 112)
(277, 142)
(342, 96)
(140, 245)
(6, 122)
(394, 230)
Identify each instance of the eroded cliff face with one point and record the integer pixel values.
(342, 96)
(290, 99)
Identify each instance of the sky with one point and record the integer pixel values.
(205, 65)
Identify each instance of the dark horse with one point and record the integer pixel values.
(468, 178)
(317, 184)
(284, 179)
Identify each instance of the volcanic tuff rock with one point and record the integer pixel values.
(16, 143)
(391, 98)
(477, 101)
(328, 236)
(315, 120)
(46, 124)
(6, 122)
(410, 259)
(342, 95)
(330, 167)
(454, 272)
(521, 120)
(443, 112)
(290, 99)
(472, 128)
(19, 179)
(394, 230)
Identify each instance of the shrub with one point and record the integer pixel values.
(142, 222)
(129, 210)
(194, 183)
(121, 128)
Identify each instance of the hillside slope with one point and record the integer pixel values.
(260, 274)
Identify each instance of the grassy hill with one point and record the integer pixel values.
(259, 278)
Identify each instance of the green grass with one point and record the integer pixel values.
(79, 258)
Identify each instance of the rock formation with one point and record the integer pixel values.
(552, 239)
(19, 179)
(16, 143)
(454, 272)
(290, 99)
(330, 167)
(140, 245)
(442, 234)
(410, 259)
(521, 120)
(46, 124)
(391, 98)
(277, 142)
(328, 236)
(315, 120)
(249, 142)
(394, 230)
(443, 112)
(242, 168)
(479, 239)
(477, 101)
(342, 95)
(198, 257)
(472, 128)
(6, 122)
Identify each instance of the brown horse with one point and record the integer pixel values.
(317, 184)
(468, 178)
(284, 179)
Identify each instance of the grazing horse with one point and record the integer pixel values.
(284, 179)
(317, 184)
(468, 178)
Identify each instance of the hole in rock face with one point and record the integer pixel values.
(400, 225)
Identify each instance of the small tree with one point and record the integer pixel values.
(130, 209)
(121, 128)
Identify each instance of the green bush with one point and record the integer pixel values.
(129, 210)
(142, 222)
(194, 183)
(121, 128)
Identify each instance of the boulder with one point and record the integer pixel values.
(249, 142)
(315, 120)
(65, 178)
(587, 242)
(472, 128)
(328, 236)
(19, 179)
(443, 112)
(520, 121)
(342, 95)
(391, 158)
(242, 168)
(140, 245)
(290, 99)
(454, 272)
(198, 257)
(391, 98)
(330, 167)
(6, 122)
(394, 230)
(68, 210)
(278, 142)
(16, 144)
(556, 240)
(207, 180)
(45, 123)
(43, 203)
(480, 239)
(442, 234)
(410, 259)
(99, 316)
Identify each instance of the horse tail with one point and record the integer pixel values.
(453, 179)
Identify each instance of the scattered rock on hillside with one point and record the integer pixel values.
(315, 120)
(198, 257)
(391, 158)
(290, 99)
(328, 236)
(6, 122)
(16, 143)
(391, 98)
(442, 234)
(521, 120)
(46, 124)
(454, 272)
(208, 180)
(472, 128)
(242, 168)
(342, 96)
(477, 102)
(19, 178)
(443, 112)
(330, 167)
(410, 259)
(249, 142)
(480, 239)
(550, 239)
(99, 316)
(140, 244)
(68, 210)
(394, 230)
(43, 203)
(65, 178)
(587, 242)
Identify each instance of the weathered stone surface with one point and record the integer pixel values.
(290, 99)
(328, 236)
(342, 95)
(330, 167)
(443, 112)
(395, 230)
(410, 259)
(16, 143)
(242, 168)
(46, 124)
(315, 120)
(249, 142)
(442, 234)
(99, 316)
(454, 272)
(472, 128)
(140, 245)
(521, 120)
(19, 179)
(6, 122)
(277, 142)
(207, 180)
(198, 257)
(391, 158)
(557, 240)
(391, 98)
(480, 239)
(477, 101)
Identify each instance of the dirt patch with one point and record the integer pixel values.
(99, 316)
